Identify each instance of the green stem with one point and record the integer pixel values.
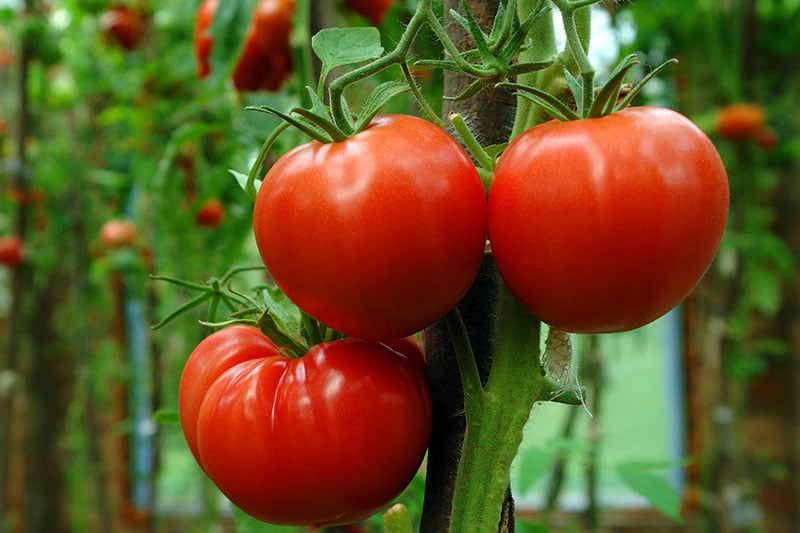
(543, 35)
(419, 97)
(495, 423)
(470, 378)
(472, 144)
(578, 49)
(396, 56)
(301, 51)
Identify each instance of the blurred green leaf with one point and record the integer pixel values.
(653, 487)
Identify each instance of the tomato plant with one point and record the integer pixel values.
(603, 225)
(118, 233)
(265, 61)
(211, 213)
(373, 10)
(11, 250)
(124, 26)
(377, 236)
(326, 438)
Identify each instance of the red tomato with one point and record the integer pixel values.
(377, 236)
(211, 213)
(374, 10)
(266, 60)
(740, 121)
(118, 233)
(605, 224)
(327, 438)
(123, 25)
(11, 251)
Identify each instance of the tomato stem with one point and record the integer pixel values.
(496, 416)
(478, 153)
(576, 46)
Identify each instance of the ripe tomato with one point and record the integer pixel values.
(211, 213)
(374, 10)
(377, 236)
(266, 60)
(740, 121)
(605, 224)
(327, 438)
(11, 251)
(123, 25)
(118, 233)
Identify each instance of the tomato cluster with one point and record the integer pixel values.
(596, 225)
(265, 61)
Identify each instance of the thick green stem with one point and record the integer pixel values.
(496, 421)
(396, 56)
(543, 37)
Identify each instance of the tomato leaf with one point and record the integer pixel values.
(653, 487)
(336, 47)
(166, 417)
(229, 29)
(535, 463)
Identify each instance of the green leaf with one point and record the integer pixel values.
(167, 417)
(229, 29)
(343, 46)
(242, 180)
(654, 488)
(763, 290)
(534, 465)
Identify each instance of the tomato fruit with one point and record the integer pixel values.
(379, 235)
(266, 60)
(124, 26)
(604, 225)
(327, 438)
(373, 10)
(740, 121)
(118, 233)
(11, 251)
(211, 213)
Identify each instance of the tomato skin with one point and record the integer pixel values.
(740, 121)
(118, 233)
(377, 236)
(211, 213)
(328, 438)
(124, 25)
(265, 61)
(11, 251)
(604, 225)
(373, 10)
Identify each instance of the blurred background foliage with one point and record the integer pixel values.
(116, 132)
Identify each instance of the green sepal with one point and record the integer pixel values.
(377, 98)
(549, 103)
(607, 96)
(274, 328)
(639, 86)
(312, 130)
